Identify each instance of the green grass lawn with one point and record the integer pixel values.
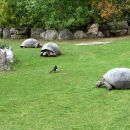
(33, 99)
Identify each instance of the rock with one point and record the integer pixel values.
(21, 32)
(42, 35)
(51, 35)
(93, 29)
(118, 25)
(120, 32)
(3, 63)
(79, 35)
(10, 57)
(65, 35)
(13, 31)
(35, 32)
(91, 35)
(118, 28)
(6, 33)
(100, 34)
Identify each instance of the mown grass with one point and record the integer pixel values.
(33, 99)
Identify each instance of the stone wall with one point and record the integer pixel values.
(92, 31)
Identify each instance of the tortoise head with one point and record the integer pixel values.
(38, 45)
(100, 83)
(48, 53)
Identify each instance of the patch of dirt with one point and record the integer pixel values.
(93, 43)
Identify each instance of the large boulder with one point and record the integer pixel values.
(10, 57)
(21, 32)
(100, 34)
(6, 33)
(118, 25)
(118, 28)
(13, 31)
(51, 35)
(35, 32)
(120, 32)
(79, 35)
(93, 30)
(65, 35)
(3, 62)
(42, 35)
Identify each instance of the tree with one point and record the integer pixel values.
(110, 10)
(5, 13)
(59, 14)
(47, 14)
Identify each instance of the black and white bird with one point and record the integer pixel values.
(55, 69)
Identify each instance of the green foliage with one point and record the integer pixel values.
(110, 11)
(4, 12)
(127, 10)
(58, 13)
(48, 14)
(2, 46)
(54, 13)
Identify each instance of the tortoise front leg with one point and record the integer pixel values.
(106, 84)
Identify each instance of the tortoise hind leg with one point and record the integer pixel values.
(109, 87)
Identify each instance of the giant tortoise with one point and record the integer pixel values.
(118, 78)
(50, 49)
(30, 43)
